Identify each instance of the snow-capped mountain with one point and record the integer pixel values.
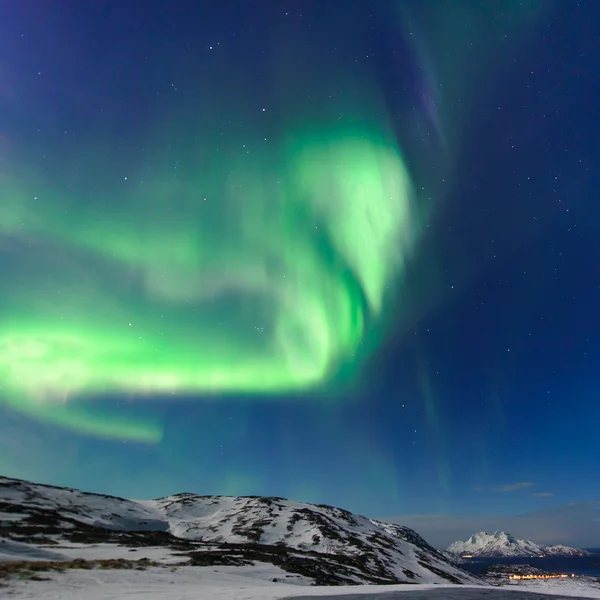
(560, 550)
(504, 544)
(318, 543)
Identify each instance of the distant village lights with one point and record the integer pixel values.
(558, 576)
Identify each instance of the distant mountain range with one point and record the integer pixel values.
(313, 543)
(504, 544)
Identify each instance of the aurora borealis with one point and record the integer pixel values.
(256, 248)
(262, 290)
(252, 265)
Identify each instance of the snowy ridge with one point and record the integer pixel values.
(321, 544)
(561, 550)
(504, 544)
(19, 498)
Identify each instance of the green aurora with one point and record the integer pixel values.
(197, 287)
(261, 272)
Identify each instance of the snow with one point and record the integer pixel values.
(504, 544)
(91, 509)
(10, 516)
(112, 551)
(323, 530)
(560, 550)
(385, 553)
(580, 587)
(13, 551)
(218, 519)
(222, 518)
(247, 583)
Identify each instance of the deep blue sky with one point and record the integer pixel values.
(482, 396)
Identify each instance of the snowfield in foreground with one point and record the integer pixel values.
(248, 583)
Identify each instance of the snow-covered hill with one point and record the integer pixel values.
(504, 544)
(317, 543)
(560, 550)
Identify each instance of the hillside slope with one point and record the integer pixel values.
(327, 545)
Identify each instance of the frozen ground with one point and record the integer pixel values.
(249, 583)
(446, 594)
(63, 544)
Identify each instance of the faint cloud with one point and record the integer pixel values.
(513, 487)
(542, 494)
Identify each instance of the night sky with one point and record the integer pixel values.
(341, 251)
